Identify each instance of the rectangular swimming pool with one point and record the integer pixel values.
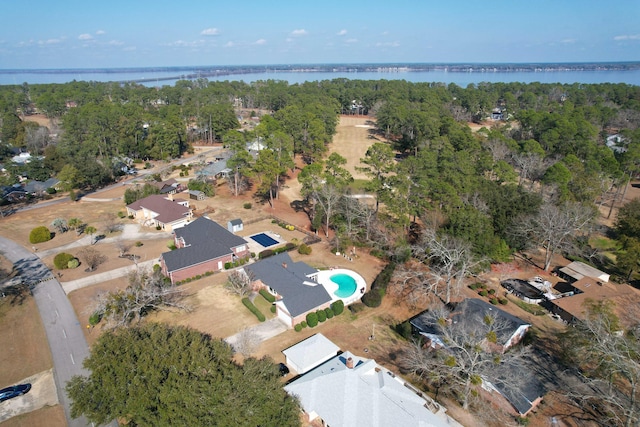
(263, 240)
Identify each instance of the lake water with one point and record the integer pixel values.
(153, 78)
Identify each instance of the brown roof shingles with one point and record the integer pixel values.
(168, 211)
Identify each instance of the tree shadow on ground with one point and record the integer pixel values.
(16, 294)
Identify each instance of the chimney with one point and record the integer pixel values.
(170, 196)
(284, 265)
(350, 363)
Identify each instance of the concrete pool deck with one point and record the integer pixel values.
(324, 278)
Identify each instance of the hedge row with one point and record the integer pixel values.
(190, 279)
(252, 308)
(320, 316)
(270, 252)
(269, 297)
(373, 298)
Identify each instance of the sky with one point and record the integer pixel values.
(46, 34)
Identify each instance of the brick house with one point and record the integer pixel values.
(202, 246)
(161, 211)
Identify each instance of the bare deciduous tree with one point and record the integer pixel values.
(146, 292)
(240, 282)
(123, 246)
(465, 353)
(606, 348)
(554, 227)
(247, 342)
(110, 222)
(451, 261)
(92, 258)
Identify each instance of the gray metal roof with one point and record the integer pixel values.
(192, 255)
(290, 280)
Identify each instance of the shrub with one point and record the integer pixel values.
(156, 268)
(172, 246)
(304, 249)
(483, 293)
(265, 254)
(322, 316)
(303, 323)
(493, 301)
(247, 205)
(95, 318)
(158, 227)
(312, 320)
(503, 301)
(73, 263)
(404, 330)
(138, 244)
(373, 298)
(337, 307)
(492, 291)
(228, 265)
(328, 312)
(39, 235)
(121, 215)
(252, 308)
(267, 295)
(273, 309)
(298, 327)
(51, 190)
(73, 196)
(289, 246)
(130, 217)
(61, 261)
(356, 308)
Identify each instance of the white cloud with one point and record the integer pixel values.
(129, 48)
(388, 44)
(351, 41)
(210, 32)
(341, 32)
(100, 32)
(229, 44)
(628, 37)
(568, 41)
(260, 42)
(115, 43)
(182, 43)
(85, 36)
(385, 33)
(298, 33)
(50, 41)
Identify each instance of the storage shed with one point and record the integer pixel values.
(196, 195)
(235, 225)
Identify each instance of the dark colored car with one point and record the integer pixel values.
(283, 369)
(14, 391)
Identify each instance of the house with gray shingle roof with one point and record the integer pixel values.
(202, 246)
(157, 210)
(294, 285)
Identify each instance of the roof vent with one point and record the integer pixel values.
(350, 363)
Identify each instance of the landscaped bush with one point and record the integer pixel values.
(39, 235)
(337, 307)
(228, 265)
(61, 261)
(356, 307)
(322, 316)
(493, 301)
(265, 254)
(289, 246)
(247, 205)
(503, 301)
(492, 291)
(95, 318)
(404, 329)
(483, 293)
(298, 327)
(138, 244)
(312, 320)
(268, 296)
(51, 190)
(328, 312)
(304, 249)
(73, 263)
(121, 214)
(252, 308)
(373, 298)
(273, 309)
(303, 323)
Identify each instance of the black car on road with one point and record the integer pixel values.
(14, 391)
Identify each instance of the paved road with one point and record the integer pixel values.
(64, 333)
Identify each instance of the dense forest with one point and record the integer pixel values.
(486, 189)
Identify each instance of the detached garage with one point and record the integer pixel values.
(308, 354)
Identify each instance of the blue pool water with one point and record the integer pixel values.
(264, 240)
(346, 285)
